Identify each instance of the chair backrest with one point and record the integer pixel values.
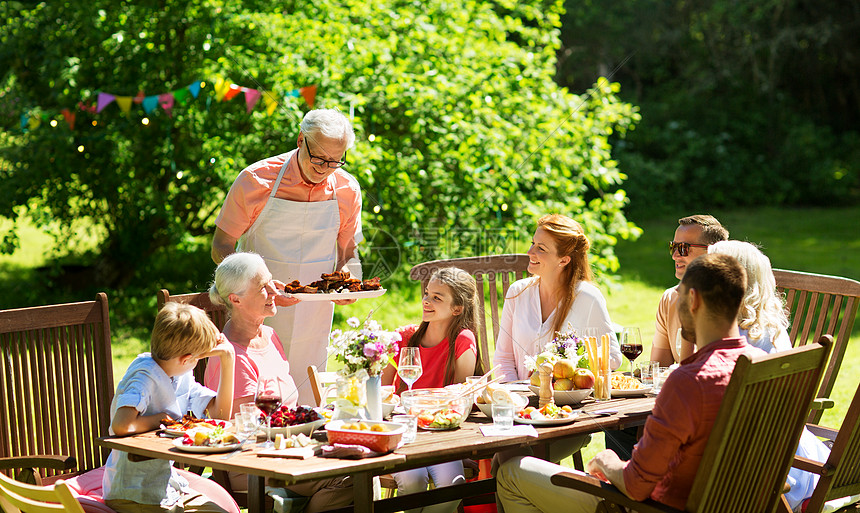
(752, 443)
(820, 305)
(16, 496)
(56, 382)
(493, 274)
(218, 314)
(841, 476)
(319, 382)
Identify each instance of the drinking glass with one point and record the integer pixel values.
(503, 416)
(631, 345)
(409, 368)
(268, 400)
(411, 423)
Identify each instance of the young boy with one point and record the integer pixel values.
(161, 383)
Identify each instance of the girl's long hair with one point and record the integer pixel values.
(464, 293)
(570, 240)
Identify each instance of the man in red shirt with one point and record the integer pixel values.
(664, 462)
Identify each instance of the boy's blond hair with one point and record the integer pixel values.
(182, 329)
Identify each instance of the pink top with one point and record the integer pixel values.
(435, 359)
(253, 363)
(250, 192)
(664, 462)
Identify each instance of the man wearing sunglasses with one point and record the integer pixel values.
(301, 211)
(692, 238)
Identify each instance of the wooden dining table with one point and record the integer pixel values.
(429, 447)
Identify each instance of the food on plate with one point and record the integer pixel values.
(362, 426)
(209, 437)
(388, 395)
(442, 419)
(286, 416)
(190, 422)
(549, 412)
(288, 442)
(624, 382)
(338, 281)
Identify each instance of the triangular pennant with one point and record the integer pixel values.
(271, 104)
(221, 88)
(69, 116)
(150, 103)
(124, 103)
(86, 108)
(252, 96)
(309, 93)
(139, 98)
(166, 102)
(181, 96)
(194, 89)
(294, 93)
(105, 99)
(232, 92)
(25, 120)
(34, 122)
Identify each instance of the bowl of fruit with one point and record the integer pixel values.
(292, 421)
(375, 435)
(570, 384)
(437, 409)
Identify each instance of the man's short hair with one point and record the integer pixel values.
(712, 230)
(720, 280)
(182, 329)
(330, 123)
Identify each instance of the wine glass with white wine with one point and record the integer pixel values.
(409, 367)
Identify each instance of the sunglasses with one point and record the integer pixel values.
(683, 248)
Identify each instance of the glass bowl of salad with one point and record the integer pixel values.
(437, 409)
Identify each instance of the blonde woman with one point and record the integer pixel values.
(762, 318)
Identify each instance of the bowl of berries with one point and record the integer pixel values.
(292, 421)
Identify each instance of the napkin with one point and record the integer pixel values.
(351, 452)
(516, 430)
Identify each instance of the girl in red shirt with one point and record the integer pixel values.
(449, 354)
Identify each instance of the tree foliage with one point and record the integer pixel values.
(463, 137)
(743, 102)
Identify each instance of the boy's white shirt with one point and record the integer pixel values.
(148, 389)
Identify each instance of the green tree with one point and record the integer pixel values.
(461, 130)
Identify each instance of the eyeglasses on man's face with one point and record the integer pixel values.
(683, 248)
(319, 161)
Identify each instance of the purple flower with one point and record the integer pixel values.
(370, 350)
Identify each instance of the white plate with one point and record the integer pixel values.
(547, 422)
(181, 432)
(329, 296)
(630, 393)
(204, 448)
(562, 397)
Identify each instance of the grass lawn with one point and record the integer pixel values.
(823, 241)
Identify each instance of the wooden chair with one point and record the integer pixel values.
(319, 381)
(56, 387)
(218, 314)
(493, 274)
(21, 497)
(820, 305)
(753, 440)
(840, 474)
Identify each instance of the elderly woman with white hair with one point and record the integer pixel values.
(762, 318)
(245, 286)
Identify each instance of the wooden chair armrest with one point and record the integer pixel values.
(52, 461)
(598, 488)
(822, 431)
(812, 466)
(822, 403)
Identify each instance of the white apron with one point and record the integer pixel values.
(298, 241)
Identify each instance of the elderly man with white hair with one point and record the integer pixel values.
(301, 211)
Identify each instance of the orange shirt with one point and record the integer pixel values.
(250, 192)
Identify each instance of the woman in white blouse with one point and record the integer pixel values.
(559, 295)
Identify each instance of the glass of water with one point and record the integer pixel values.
(503, 416)
(411, 423)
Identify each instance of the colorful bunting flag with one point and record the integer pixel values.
(181, 96)
(105, 99)
(309, 93)
(124, 103)
(271, 104)
(195, 88)
(252, 96)
(166, 102)
(232, 91)
(150, 103)
(69, 116)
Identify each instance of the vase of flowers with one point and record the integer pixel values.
(369, 347)
(565, 345)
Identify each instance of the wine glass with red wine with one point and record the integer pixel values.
(631, 345)
(268, 400)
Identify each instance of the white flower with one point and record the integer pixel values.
(353, 322)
